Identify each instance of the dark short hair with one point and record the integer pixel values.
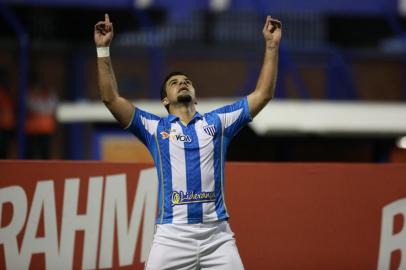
(163, 87)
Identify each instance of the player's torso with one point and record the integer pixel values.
(190, 160)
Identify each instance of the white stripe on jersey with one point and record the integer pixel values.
(227, 119)
(207, 168)
(178, 166)
(149, 124)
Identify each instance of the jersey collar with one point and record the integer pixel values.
(172, 118)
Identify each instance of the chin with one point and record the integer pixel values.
(186, 98)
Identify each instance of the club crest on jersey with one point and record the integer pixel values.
(175, 136)
(210, 130)
(181, 197)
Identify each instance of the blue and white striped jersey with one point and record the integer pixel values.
(190, 160)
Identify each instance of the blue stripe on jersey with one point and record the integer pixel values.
(224, 146)
(193, 173)
(158, 165)
(218, 172)
(165, 211)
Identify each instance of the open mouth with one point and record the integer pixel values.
(183, 89)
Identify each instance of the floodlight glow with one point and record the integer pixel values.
(401, 142)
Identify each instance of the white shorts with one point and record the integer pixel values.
(194, 247)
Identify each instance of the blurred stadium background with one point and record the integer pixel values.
(341, 88)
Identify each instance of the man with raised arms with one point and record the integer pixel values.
(189, 151)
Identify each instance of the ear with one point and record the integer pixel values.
(165, 101)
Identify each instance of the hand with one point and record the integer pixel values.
(272, 32)
(103, 32)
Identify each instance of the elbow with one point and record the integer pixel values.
(108, 99)
(269, 93)
(266, 95)
(108, 102)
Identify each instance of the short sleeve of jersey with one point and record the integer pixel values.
(233, 117)
(143, 125)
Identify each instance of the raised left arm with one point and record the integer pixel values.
(266, 83)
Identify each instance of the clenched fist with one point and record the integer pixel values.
(103, 32)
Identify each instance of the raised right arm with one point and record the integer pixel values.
(121, 108)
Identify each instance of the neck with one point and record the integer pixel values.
(185, 111)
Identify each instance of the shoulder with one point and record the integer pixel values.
(144, 114)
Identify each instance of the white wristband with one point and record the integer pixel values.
(103, 52)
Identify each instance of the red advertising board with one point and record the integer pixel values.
(97, 215)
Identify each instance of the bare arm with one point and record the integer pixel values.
(265, 88)
(120, 107)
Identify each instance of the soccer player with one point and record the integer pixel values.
(189, 151)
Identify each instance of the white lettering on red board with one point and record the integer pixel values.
(391, 241)
(110, 217)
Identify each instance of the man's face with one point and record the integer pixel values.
(179, 89)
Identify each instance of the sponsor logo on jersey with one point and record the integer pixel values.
(175, 136)
(165, 135)
(181, 197)
(210, 130)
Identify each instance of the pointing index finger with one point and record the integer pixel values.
(106, 18)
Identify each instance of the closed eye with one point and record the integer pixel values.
(173, 82)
